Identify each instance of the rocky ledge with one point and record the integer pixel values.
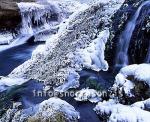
(9, 13)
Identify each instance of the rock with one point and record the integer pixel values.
(112, 111)
(63, 55)
(138, 49)
(10, 16)
(134, 81)
(53, 110)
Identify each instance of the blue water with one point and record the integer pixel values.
(11, 58)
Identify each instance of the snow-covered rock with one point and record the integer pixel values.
(115, 112)
(52, 109)
(80, 33)
(131, 75)
(87, 94)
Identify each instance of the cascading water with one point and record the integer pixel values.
(148, 55)
(124, 41)
(44, 14)
(36, 15)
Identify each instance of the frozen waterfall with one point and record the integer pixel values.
(44, 14)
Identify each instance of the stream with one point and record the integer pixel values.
(15, 56)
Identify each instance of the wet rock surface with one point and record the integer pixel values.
(139, 44)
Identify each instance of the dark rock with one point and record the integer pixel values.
(9, 14)
(140, 39)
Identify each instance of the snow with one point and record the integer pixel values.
(16, 42)
(6, 82)
(5, 38)
(77, 45)
(72, 81)
(140, 72)
(39, 52)
(117, 112)
(46, 110)
(145, 105)
(58, 105)
(87, 94)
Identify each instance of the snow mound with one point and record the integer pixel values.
(139, 72)
(145, 105)
(115, 112)
(58, 105)
(87, 94)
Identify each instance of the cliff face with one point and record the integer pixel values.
(9, 13)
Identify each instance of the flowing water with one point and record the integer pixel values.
(148, 55)
(124, 41)
(34, 18)
(17, 55)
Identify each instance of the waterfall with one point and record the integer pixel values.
(124, 41)
(148, 55)
(47, 14)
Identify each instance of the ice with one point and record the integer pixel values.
(19, 40)
(7, 82)
(92, 57)
(87, 94)
(5, 38)
(42, 14)
(73, 81)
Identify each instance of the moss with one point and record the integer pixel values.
(92, 83)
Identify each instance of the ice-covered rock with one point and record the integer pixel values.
(115, 112)
(37, 15)
(77, 35)
(87, 94)
(53, 109)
